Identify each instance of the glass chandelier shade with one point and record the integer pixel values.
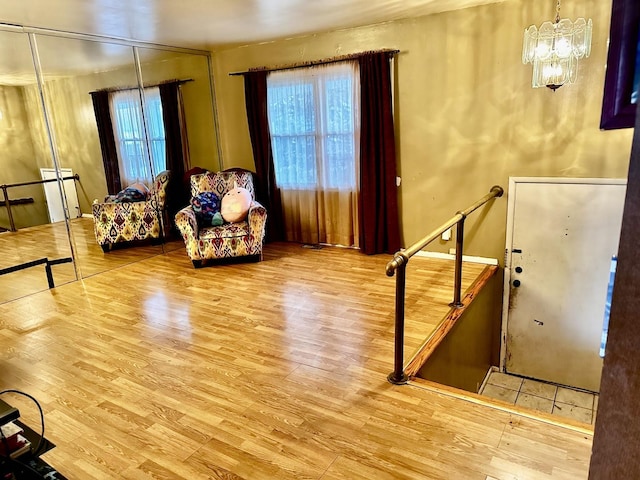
(554, 50)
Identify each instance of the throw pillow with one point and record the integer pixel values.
(130, 194)
(235, 205)
(217, 219)
(205, 205)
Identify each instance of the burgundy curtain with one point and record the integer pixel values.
(267, 193)
(378, 204)
(177, 195)
(107, 141)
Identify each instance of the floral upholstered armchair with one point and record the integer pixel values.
(120, 219)
(206, 242)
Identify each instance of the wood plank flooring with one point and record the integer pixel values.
(270, 370)
(51, 241)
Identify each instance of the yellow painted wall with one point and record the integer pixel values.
(19, 160)
(196, 95)
(466, 115)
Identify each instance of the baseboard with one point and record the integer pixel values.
(465, 258)
(486, 377)
(87, 215)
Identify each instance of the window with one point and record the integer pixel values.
(126, 113)
(312, 119)
(315, 133)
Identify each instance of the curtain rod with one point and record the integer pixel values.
(313, 63)
(124, 89)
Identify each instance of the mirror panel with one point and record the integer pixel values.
(55, 219)
(190, 74)
(70, 84)
(33, 228)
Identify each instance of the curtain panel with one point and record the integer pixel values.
(108, 147)
(378, 212)
(178, 195)
(315, 134)
(267, 192)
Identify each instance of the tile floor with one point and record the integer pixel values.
(544, 397)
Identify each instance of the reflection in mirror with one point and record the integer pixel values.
(181, 82)
(93, 99)
(35, 252)
(107, 134)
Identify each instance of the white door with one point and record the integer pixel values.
(561, 235)
(52, 193)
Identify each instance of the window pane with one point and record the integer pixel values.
(339, 161)
(294, 160)
(291, 109)
(158, 155)
(339, 105)
(153, 109)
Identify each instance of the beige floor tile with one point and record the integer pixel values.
(575, 398)
(535, 403)
(571, 411)
(503, 380)
(500, 393)
(538, 389)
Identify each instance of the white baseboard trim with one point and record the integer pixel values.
(87, 215)
(465, 258)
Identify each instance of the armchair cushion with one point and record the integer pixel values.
(231, 230)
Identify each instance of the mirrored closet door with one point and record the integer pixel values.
(62, 97)
(35, 249)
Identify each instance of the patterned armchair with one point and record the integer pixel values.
(128, 221)
(230, 239)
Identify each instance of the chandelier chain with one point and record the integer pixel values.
(558, 12)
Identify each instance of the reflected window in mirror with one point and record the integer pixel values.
(126, 114)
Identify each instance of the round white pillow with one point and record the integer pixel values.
(235, 205)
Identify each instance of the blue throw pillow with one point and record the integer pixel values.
(205, 205)
(130, 194)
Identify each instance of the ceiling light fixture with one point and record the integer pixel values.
(554, 50)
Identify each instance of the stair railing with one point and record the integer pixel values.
(7, 202)
(398, 266)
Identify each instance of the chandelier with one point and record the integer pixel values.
(554, 50)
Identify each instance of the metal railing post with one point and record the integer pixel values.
(7, 202)
(47, 269)
(398, 377)
(457, 282)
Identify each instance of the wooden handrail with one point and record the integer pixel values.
(403, 256)
(398, 266)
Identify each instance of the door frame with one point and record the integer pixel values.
(511, 198)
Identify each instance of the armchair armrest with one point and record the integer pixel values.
(188, 226)
(257, 220)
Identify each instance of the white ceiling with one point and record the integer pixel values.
(209, 23)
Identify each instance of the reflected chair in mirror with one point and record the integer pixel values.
(229, 240)
(119, 219)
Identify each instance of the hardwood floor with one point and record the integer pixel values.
(51, 241)
(270, 370)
